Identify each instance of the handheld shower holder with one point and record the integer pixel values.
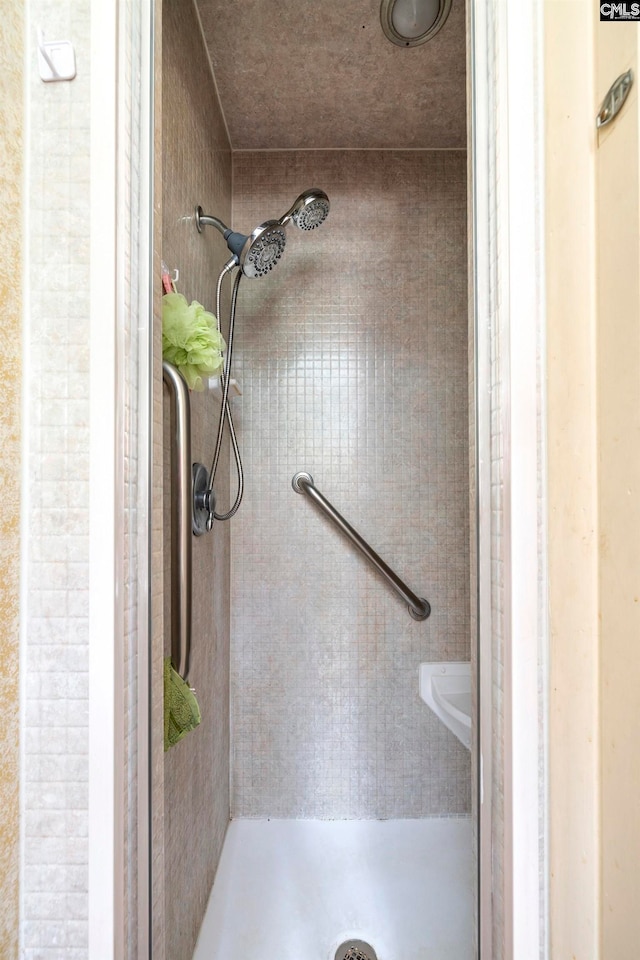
(204, 503)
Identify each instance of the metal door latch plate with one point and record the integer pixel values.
(612, 103)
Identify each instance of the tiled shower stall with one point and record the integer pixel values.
(352, 358)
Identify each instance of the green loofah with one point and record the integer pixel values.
(181, 710)
(190, 339)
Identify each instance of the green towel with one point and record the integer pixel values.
(181, 710)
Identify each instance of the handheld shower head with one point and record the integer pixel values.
(257, 254)
(309, 210)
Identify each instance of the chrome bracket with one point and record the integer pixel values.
(203, 500)
(612, 103)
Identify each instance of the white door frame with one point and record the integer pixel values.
(120, 124)
(507, 160)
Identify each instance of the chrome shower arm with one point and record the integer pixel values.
(205, 220)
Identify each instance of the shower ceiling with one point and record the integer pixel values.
(320, 74)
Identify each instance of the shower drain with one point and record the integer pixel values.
(355, 950)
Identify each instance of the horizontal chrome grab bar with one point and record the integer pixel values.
(181, 519)
(418, 607)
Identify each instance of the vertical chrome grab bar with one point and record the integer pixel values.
(419, 608)
(181, 518)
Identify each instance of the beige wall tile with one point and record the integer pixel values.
(352, 356)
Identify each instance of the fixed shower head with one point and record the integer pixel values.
(257, 254)
(309, 210)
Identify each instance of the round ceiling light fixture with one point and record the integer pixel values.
(412, 22)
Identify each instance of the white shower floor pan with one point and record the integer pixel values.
(297, 889)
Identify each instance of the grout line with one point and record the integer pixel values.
(351, 150)
(213, 73)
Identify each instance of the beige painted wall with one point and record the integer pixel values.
(11, 123)
(593, 330)
(573, 687)
(618, 391)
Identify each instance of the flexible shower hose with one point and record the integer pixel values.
(225, 410)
